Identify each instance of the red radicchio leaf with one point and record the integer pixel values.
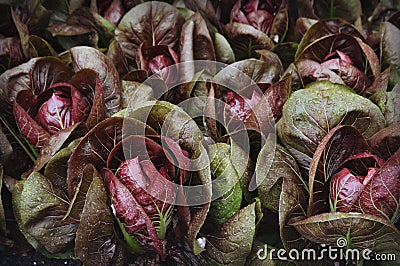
(55, 113)
(145, 187)
(237, 14)
(381, 196)
(344, 57)
(62, 106)
(362, 162)
(131, 213)
(80, 106)
(345, 190)
(260, 19)
(88, 83)
(30, 129)
(159, 187)
(252, 15)
(351, 75)
(239, 108)
(155, 58)
(114, 12)
(374, 191)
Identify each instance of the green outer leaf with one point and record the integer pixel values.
(310, 113)
(283, 167)
(390, 54)
(89, 57)
(388, 102)
(292, 205)
(95, 241)
(39, 209)
(223, 49)
(249, 71)
(231, 244)
(56, 168)
(78, 201)
(244, 166)
(134, 93)
(346, 9)
(245, 40)
(222, 168)
(364, 231)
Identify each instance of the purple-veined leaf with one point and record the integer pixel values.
(334, 149)
(95, 241)
(310, 114)
(345, 188)
(39, 208)
(362, 231)
(153, 22)
(32, 131)
(381, 196)
(231, 243)
(131, 213)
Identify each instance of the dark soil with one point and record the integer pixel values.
(9, 257)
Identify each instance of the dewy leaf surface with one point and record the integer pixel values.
(362, 231)
(39, 208)
(95, 242)
(227, 178)
(283, 167)
(310, 113)
(231, 244)
(292, 205)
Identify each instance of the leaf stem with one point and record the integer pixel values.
(32, 154)
(332, 9)
(131, 243)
